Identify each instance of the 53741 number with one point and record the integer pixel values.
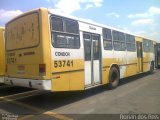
(63, 63)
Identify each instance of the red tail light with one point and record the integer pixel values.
(42, 69)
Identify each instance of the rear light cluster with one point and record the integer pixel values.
(42, 69)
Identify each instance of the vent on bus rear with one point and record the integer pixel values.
(42, 69)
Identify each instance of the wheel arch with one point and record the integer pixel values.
(115, 65)
(113, 76)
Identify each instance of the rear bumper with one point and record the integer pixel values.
(38, 84)
(1, 79)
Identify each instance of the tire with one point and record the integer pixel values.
(114, 77)
(151, 68)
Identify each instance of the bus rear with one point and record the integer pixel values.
(2, 55)
(27, 50)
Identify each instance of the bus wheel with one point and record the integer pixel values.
(114, 78)
(151, 68)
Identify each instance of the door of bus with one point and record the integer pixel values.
(139, 56)
(92, 53)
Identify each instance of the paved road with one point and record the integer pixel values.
(135, 95)
(140, 95)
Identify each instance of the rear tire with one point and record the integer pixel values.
(114, 77)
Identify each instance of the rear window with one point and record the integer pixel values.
(23, 32)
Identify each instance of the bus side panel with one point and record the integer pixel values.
(68, 78)
(120, 57)
(68, 81)
(148, 54)
(147, 58)
(76, 80)
(147, 61)
(60, 82)
(67, 67)
(2, 54)
(107, 60)
(131, 63)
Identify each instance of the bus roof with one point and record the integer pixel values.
(51, 11)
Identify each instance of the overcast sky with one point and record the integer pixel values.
(141, 17)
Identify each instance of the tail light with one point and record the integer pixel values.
(42, 69)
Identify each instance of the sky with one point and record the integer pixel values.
(141, 17)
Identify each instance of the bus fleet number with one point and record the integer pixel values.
(63, 63)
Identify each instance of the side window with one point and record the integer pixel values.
(130, 43)
(127, 38)
(119, 41)
(65, 33)
(65, 41)
(132, 39)
(147, 45)
(115, 35)
(121, 37)
(107, 39)
(59, 40)
(57, 23)
(122, 41)
(71, 26)
(152, 46)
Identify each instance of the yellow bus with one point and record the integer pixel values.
(50, 51)
(2, 55)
